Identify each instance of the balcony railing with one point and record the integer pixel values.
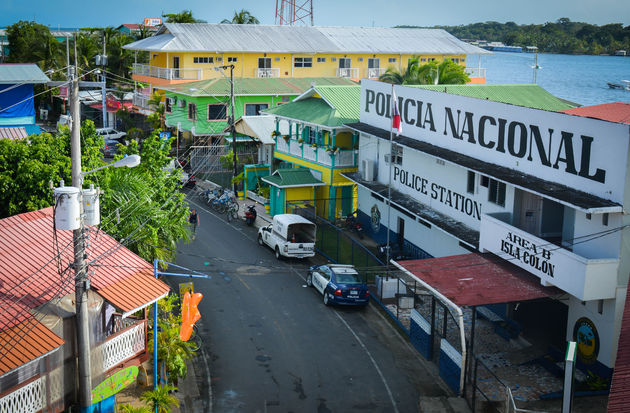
(586, 279)
(477, 72)
(267, 72)
(141, 100)
(167, 73)
(320, 155)
(374, 72)
(120, 347)
(351, 72)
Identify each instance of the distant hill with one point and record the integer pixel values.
(562, 36)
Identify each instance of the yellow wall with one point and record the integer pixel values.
(344, 140)
(246, 63)
(299, 194)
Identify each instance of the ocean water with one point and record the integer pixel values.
(580, 79)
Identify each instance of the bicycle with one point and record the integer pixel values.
(232, 211)
(195, 339)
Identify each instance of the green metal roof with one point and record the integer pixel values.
(295, 177)
(262, 86)
(336, 106)
(531, 96)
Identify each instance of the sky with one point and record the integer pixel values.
(90, 13)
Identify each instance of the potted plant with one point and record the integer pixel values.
(301, 140)
(314, 145)
(275, 133)
(286, 138)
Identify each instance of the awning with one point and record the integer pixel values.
(113, 105)
(478, 279)
(26, 342)
(563, 194)
(292, 178)
(135, 292)
(260, 127)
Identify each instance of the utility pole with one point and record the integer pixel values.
(81, 283)
(232, 128)
(103, 62)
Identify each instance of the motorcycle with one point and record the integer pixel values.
(250, 214)
(353, 224)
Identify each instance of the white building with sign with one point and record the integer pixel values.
(543, 190)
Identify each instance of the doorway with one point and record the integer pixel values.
(175, 67)
(401, 233)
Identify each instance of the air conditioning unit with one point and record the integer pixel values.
(368, 170)
(387, 157)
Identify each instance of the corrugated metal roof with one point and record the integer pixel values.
(11, 73)
(25, 342)
(13, 133)
(260, 127)
(619, 397)
(220, 38)
(295, 177)
(613, 112)
(531, 96)
(478, 279)
(336, 106)
(29, 274)
(253, 86)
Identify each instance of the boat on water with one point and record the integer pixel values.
(625, 85)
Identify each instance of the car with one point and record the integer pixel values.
(110, 133)
(111, 148)
(339, 284)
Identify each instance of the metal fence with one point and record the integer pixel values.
(205, 162)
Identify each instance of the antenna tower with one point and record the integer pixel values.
(293, 12)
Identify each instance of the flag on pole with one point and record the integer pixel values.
(396, 123)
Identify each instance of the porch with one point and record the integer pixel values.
(167, 73)
(326, 156)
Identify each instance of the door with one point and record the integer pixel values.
(344, 67)
(175, 67)
(321, 277)
(401, 233)
(264, 67)
(374, 66)
(531, 213)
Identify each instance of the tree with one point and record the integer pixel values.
(127, 408)
(160, 399)
(29, 42)
(185, 16)
(446, 72)
(241, 17)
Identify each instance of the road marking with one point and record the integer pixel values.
(244, 283)
(378, 370)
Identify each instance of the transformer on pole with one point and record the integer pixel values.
(293, 12)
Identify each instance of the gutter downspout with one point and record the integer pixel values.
(460, 320)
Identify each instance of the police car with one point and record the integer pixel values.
(339, 284)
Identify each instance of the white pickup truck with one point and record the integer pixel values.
(289, 235)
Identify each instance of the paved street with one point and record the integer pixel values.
(271, 345)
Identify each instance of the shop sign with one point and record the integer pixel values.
(587, 339)
(575, 151)
(152, 21)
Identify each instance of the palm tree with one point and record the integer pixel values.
(160, 398)
(446, 72)
(127, 408)
(185, 16)
(241, 17)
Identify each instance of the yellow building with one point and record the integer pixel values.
(189, 52)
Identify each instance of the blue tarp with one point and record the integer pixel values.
(13, 95)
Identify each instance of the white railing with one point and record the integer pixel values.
(27, 399)
(374, 72)
(295, 148)
(351, 72)
(282, 145)
(141, 100)
(267, 72)
(122, 346)
(323, 157)
(586, 279)
(344, 158)
(167, 73)
(477, 72)
(310, 153)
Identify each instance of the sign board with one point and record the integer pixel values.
(185, 288)
(152, 21)
(578, 152)
(114, 383)
(165, 135)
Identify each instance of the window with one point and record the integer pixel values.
(217, 111)
(496, 192)
(264, 62)
(312, 135)
(253, 109)
(588, 216)
(392, 60)
(168, 105)
(397, 153)
(374, 63)
(345, 63)
(321, 60)
(303, 62)
(219, 59)
(232, 59)
(605, 219)
(485, 181)
(471, 183)
(423, 59)
(203, 59)
(192, 111)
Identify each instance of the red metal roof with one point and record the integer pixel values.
(30, 276)
(26, 342)
(478, 279)
(619, 397)
(613, 112)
